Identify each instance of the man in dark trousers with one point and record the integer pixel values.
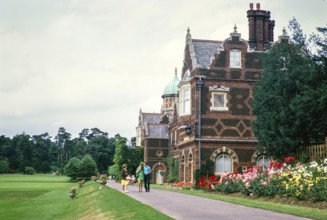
(147, 172)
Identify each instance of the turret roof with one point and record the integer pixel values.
(171, 88)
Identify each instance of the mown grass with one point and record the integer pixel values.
(47, 197)
(312, 213)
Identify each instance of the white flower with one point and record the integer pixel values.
(313, 164)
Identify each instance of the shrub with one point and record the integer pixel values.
(172, 179)
(29, 170)
(72, 168)
(87, 167)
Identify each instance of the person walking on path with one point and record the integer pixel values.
(124, 181)
(147, 172)
(140, 176)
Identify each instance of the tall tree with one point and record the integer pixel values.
(41, 152)
(135, 156)
(285, 99)
(24, 147)
(62, 141)
(4, 166)
(121, 153)
(84, 134)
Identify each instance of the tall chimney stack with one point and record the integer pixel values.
(261, 28)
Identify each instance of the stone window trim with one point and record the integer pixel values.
(227, 151)
(257, 155)
(218, 98)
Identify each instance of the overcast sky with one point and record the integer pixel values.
(94, 63)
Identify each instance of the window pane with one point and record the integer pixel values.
(235, 58)
(226, 164)
(220, 164)
(223, 164)
(187, 106)
(218, 101)
(263, 161)
(187, 94)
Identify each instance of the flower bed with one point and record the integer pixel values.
(182, 185)
(288, 179)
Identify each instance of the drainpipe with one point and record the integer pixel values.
(199, 84)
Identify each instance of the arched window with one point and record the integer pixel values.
(223, 164)
(263, 161)
(183, 159)
(190, 157)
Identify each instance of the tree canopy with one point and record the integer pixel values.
(290, 100)
(61, 154)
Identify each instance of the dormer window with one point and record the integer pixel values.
(219, 98)
(235, 58)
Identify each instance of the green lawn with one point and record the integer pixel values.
(47, 197)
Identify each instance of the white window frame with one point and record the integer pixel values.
(221, 91)
(226, 160)
(185, 100)
(235, 57)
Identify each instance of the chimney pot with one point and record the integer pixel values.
(258, 6)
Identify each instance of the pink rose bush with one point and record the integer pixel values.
(287, 179)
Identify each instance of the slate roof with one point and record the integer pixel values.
(157, 131)
(204, 50)
(151, 118)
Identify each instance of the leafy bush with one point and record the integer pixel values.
(29, 170)
(172, 179)
(87, 167)
(4, 166)
(72, 168)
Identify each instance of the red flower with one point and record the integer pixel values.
(289, 159)
(275, 165)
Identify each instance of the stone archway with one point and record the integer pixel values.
(224, 150)
(159, 173)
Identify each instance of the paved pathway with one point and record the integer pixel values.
(182, 206)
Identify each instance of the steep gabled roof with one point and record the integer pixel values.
(201, 51)
(204, 50)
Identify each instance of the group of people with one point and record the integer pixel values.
(143, 172)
